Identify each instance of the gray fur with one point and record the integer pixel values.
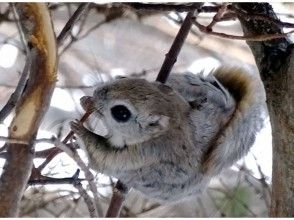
(161, 150)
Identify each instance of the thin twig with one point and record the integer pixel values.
(92, 29)
(89, 176)
(247, 16)
(42, 180)
(87, 199)
(21, 34)
(56, 151)
(180, 7)
(57, 86)
(230, 12)
(3, 155)
(171, 56)
(118, 197)
(262, 37)
(208, 9)
(5, 111)
(18, 141)
(218, 16)
(77, 38)
(235, 13)
(264, 184)
(179, 22)
(46, 152)
(71, 22)
(3, 148)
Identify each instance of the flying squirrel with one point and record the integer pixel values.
(169, 140)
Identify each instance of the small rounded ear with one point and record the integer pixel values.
(164, 88)
(157, 122)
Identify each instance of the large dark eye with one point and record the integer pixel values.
(120, 113)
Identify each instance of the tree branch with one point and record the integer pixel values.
(218, 16)
(171, 56)
(261, 37)
(71, 22)
(229, 12)
(275, 60)
(89, 176)
(5, 111)
(55, 151)
(110, 15)
(118, 197)
(30, 109)
(42, 180)
(180, 7)
(87, 199)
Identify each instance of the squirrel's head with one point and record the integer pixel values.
(135, 110)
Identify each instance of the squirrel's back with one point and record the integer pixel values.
(231, 109)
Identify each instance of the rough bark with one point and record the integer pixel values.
(36, 24)
(275, 61)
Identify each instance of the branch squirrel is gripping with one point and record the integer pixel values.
(168, 141)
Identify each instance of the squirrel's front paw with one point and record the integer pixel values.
(78, 128)
(87, 103)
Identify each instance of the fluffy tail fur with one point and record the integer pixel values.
(236, 138)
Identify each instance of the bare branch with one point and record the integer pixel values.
(71, 22)
(75, 39)
(30, 109)
(229, 12)
(89, 176)
(179, 21)
(171, 56)
(2, 148)
(108, 17)
(251, 16)
(232, 13)
(87, 199)
(119, 193)
(274, 60)
(56, 151)
(208, 9)
(19, 28)
(218, 16)
(45, 153)
(5, 111)
(262, 37)
(180, 7)
(42, 180)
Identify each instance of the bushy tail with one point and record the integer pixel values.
(236, 138)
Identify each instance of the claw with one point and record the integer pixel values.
(77, 127)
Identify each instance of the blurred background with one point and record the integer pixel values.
(113, 40)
